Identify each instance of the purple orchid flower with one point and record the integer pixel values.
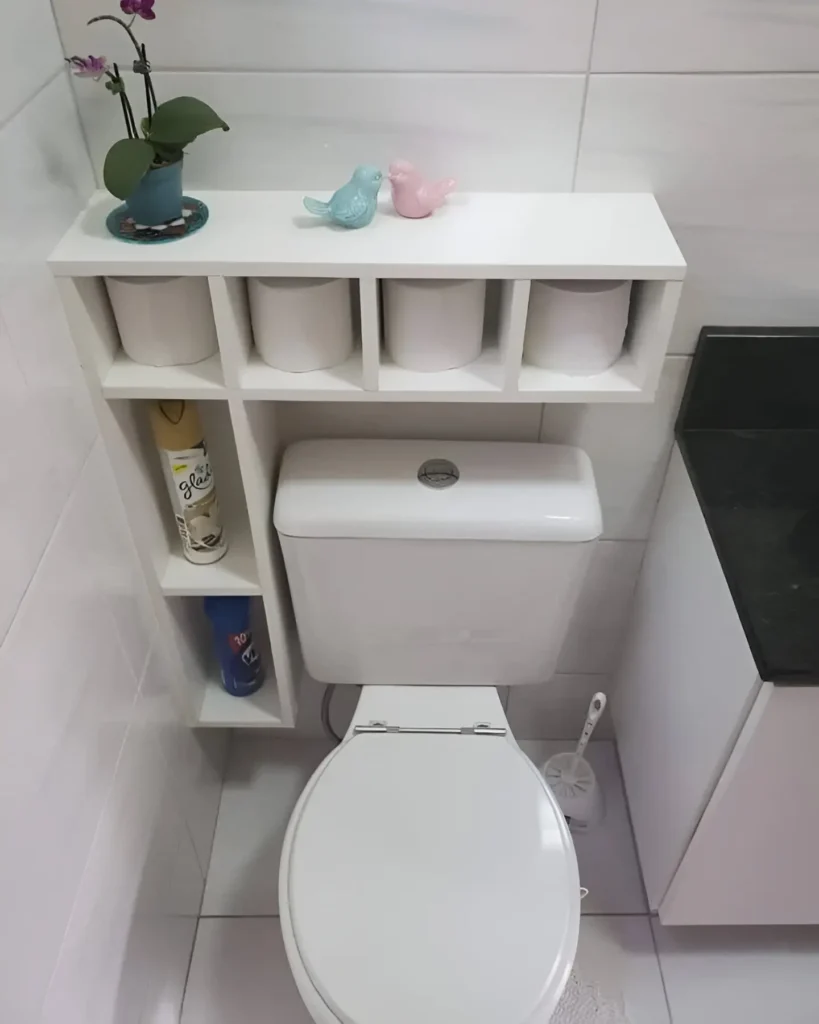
(142, 8)
(89, 67)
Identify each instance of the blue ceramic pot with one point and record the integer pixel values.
(158, 197)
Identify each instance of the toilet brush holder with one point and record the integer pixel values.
(574, 784)
(572, 780)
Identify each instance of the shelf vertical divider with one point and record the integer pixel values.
(370, 297)
(257, 449)
(653, 310)
(514, 309)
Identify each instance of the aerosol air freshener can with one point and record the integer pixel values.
(188, 473)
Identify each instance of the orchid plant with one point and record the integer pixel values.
(162, 135)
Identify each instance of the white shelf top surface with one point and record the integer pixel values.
(234, 574)
(127, 379)
(493, 235)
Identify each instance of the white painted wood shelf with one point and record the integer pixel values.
(509, 240)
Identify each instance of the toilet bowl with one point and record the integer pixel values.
(427, 873)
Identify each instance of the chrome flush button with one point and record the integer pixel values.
(438, 473)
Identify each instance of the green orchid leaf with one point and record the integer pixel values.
(126, 164)
(181, 120)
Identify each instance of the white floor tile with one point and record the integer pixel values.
(240, 972)
(607, 858)
(263, 782)
(740, 975)
(617, 955)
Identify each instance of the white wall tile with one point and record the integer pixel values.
(556, 710)
(48, 440)
(141, 872)
(152, 984)
(45, 178)
(733, 161)
(436, 421)
(629, 447)
(706, 35)
(63, 716)
(45, 181)
(596, 633)
(308, 719)
(195, 759)
(360, 35)
(30, 53)
(12, 381)
(294, 131)
(114, 571)
(753, 975)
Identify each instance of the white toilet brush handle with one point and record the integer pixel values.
(596, 709)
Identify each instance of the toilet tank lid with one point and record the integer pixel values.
(437, 490)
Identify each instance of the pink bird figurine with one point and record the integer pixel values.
(414, 197)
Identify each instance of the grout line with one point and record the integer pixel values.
(630, 823)
(584, 101)
(276, 917)
(188, 971)
(226, 760)
(609, 913)
(239, 917)
(486, 73)
(660, 967)
(540, 422)
(206, 872)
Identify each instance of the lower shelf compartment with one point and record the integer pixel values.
(235, 574)
(222, 711)
(485, 374)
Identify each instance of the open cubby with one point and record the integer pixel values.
(507, 240)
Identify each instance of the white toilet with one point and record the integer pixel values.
(427, 875)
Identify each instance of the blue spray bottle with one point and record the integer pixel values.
(242, 671)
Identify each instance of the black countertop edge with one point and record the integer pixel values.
(751, 385)
(753, 378)
(779, 677)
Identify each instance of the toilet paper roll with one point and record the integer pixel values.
(301, 324)
(576, 327)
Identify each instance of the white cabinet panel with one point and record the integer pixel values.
(685, 685)
(753, 857)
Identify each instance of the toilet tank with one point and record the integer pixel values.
(434, 562)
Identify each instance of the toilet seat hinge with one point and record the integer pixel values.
(478, 729)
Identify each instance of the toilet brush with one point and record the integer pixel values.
(571, 778)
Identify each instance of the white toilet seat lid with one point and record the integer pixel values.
(433, 881)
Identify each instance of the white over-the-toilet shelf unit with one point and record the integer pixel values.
(507, 239)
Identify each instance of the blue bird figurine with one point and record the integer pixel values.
(353, 205)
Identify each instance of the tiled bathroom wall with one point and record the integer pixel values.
(107, 805)
(711, 104)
